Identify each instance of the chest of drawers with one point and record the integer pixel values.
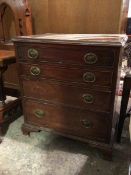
(69, 85)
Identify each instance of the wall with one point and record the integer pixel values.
(74, 16)
(77, 16)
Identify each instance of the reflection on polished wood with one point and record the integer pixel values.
(7, 56)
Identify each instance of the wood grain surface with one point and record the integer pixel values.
(79, 16)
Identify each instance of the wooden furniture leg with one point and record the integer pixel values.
(2, 90)
(124, 104)
(3, 68)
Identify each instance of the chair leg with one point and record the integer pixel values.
(2, 89)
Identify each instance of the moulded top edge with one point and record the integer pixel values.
(86, 39)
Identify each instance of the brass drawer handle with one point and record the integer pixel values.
(86, 123)
(89, 77)
(90, 58)
(34, 70)
(88, 98)
(39, 113)
(33, 53)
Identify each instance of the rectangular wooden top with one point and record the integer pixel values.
(84, 39)
(7, 57)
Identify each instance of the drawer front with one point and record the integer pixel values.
(67, 94)
(94, 77)
(78, 55)
(72, 121)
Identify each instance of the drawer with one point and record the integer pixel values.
(66, 94)
(90, 76)
(67, 120)
(73, 54)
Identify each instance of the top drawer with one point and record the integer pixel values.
(67, 54)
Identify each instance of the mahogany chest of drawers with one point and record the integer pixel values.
(69, 85)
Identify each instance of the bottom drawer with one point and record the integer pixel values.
(73, 121)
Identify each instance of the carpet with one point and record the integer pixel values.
(44, 153)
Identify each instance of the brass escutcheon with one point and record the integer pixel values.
(39, 113)
(90, 58)
(35, 71)
(89, 77)
(88, 98)
(33, 53)
(86, 123)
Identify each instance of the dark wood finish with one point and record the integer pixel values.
(3, 68)
(124, 104)
(79, 122)
(79, 75)
(72, 96)
(55, 96)
(67, 54)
